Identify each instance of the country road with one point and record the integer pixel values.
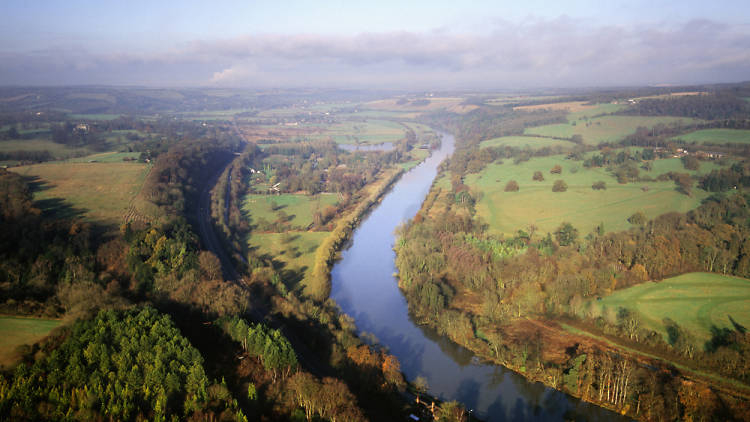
(207, 234)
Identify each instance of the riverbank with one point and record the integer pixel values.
(319, 284)
(363, 285)
(496, 296)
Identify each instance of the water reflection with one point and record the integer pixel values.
(365, 288)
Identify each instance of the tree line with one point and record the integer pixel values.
(708, 106)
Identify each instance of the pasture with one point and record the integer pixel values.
(717, 136)
(418, 155)
(100, 116)
(580, 205)
(368, 132)
(115, 140)
(602, 129)
(299, 208)
(695, 301)
(675, 164)
(17, 331)
(107, 157)
(41, 144)
(416, 104)
(293, 252)
(577, 109)
(533, 142)
(99, 191)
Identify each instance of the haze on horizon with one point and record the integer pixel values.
(386, 44)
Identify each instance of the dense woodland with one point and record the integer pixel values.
(123, 365)
(710, 106)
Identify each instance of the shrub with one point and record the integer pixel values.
(559, 186)
(566, 234)
(599, 185)
(690, 162)
(556, 169)
(538, 176)
(637, 219)
(511, 186)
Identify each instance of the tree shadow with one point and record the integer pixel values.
(293, 277)
(52, 207)
(36, 184)
(737, 326)
(291, 237)
(58, 208)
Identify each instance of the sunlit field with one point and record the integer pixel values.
(695, 301)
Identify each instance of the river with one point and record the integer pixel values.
(364, 285)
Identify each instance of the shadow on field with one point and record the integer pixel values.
(36, 184)
(737, 326)
(52, 207)
(58, 208)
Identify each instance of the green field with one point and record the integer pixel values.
(369, 132)
(418, 155)
(106, 157)
(695, 301)
(17, 331)
(41, 144)
(717, 136)
(101, 191)
(602, 129)
(533, 142)
(213, 114)
(675, 164)
(95, 116)
(293, 252)
(603, 108)
(299, 207)
(585, 208)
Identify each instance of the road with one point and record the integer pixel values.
(206, 231)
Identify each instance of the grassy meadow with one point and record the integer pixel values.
(602, 129)
(577, 109)
(106, 157)
(418, 155)
(452, 104)
(17, 331)
(717, 136)
(585, 208)
(293, 252)
(100, 191)
(675, 164)
(41, 144)
(368, 132)
(297, 206)
(100, 116)
(695, 301)
(533, 142)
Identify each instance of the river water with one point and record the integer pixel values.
(364, 285)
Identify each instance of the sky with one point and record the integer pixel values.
(413, 45)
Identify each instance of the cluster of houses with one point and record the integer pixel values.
(683, 152)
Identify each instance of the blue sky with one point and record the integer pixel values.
(403, 44)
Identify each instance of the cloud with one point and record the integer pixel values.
(557, 52)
